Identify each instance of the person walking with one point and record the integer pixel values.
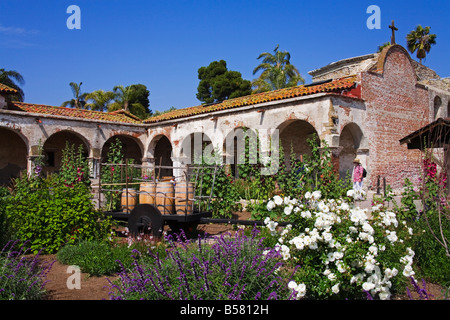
(357, 178)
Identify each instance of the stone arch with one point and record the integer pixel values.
(294, 135)
(350, 141)
(195, 146)
(55, 144)
(161, 149)
(240, 146)
(437, 103)
(13, 155)
(132, 148)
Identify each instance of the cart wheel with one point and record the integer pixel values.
(189, 228)
(145, 218)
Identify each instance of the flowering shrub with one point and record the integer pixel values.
(342, 252)
(235, 268)
(21, 276)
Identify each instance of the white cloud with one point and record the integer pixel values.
(16, 31)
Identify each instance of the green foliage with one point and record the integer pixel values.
(51, 212)
(74, 166)
(50, 215)
(224, 195)
(110, 173)
(277, 72)
(5, 232)
(420, 40)
(431, 255)
(408, 210)
(97, 258)
(217, 83)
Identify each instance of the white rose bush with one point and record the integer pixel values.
(342, 252)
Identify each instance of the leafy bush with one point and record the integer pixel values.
(21, 276)
(50, 215)
(341, 252)
(236, 267)
(431, 255)
(96, 257)
(4, 229)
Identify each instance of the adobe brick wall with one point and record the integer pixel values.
(396, 106)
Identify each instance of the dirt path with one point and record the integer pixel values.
(91, 288)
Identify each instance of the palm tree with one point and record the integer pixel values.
(79, 98)
(420, 40)
(122, 97)
(277, 72)
(99, 100)
(13, 79)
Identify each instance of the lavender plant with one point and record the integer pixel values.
(21, 276)
(230, 268)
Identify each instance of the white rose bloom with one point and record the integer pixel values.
(300, 288)
(408, 271)
(335, 288)
(385, 295)
(368, 286)
(306, 214)
(308, 195)
(392, 237)
(327, 236)
(278, 200)
(270, 205)
(351, 193)
(316, 195)
(288, 210)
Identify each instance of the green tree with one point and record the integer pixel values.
(78, 100)
(277, 72)
(13, 79)
(384, 45)
(420, 40)
(99, 100)
(217, 83)
(133, 98)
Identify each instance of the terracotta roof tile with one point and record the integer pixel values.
(6, 89)
(116, 116)
(334, 86)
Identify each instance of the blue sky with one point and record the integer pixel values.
(163, 43)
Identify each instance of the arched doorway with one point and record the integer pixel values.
(54, 146)
(131, 148)
(294, 136)
(13, 155)
(162, 154)
(350, 141)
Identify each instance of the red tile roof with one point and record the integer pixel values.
(116, 116)
(335, 86)
(6, 89)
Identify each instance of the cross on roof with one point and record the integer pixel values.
(393, 28)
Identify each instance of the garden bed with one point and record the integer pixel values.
(97, 288)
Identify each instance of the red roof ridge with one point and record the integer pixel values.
(335, 85)
(5, 88)
(76, 113)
